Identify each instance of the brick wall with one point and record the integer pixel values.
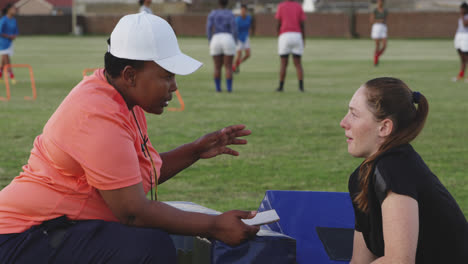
(422, 25)
(102, 24)
(188, 25)
(401, 24)
(329, 25)
(29, 25)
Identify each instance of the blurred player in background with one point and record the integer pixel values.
(145, 6)
(291, 39)
(8, 33)
(221, 31)
(244, 24)
(461, 40)
(379, 30)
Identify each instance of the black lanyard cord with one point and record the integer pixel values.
(145, 149)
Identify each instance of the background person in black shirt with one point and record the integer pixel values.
(403, 212)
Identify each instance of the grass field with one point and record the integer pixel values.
(296, 141)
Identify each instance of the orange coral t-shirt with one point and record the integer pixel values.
(91, 142)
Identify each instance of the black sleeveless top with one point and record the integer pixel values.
(443, 229)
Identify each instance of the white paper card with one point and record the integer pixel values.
(263, 218)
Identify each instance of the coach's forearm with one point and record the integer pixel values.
(160, 215)
(131, 207)
(177, 160)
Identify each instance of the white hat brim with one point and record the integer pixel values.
(180, 64)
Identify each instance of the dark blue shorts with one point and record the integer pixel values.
(93, 241)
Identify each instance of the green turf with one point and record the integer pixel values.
(296, 141)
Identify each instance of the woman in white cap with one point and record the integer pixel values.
(82, 197)
(221, 30)
(378, 19)
(403, 213)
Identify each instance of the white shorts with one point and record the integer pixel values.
(243, 45)
(461, 41)
(222, 44)
(8, 51)
(379, 31)
(290, 42)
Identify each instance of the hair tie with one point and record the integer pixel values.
(416, 97)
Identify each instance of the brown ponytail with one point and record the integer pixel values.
(391, 98)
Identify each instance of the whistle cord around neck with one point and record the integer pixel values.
(145, 149)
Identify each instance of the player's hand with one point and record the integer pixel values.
(230, 229)
(216, 143)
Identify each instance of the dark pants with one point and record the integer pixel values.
(93, 241)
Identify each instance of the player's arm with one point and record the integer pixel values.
(372, 18)
(303, 32)
(2, 31)
(131, 207)
(234, 32)
(13, 36)
(361, 254)
(400, 220)
(465, 20)
(209, 27)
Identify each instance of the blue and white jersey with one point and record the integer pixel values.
(243, 27)
(221, 21)
(7, 26)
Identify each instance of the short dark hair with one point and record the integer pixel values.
(223, 3)
(464, 5)
(6, 8)
(141, 2)
(244, 6)
(114, 66)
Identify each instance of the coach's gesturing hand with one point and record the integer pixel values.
(216, 143)
(208, 146)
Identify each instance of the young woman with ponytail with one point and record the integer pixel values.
(403, 213)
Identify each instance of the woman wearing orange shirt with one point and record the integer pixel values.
(82, 196)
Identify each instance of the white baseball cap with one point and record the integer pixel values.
(148, 37)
